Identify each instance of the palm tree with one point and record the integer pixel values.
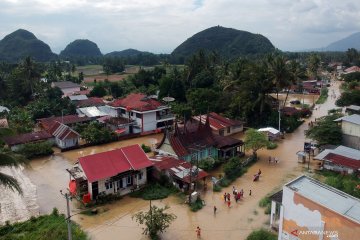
(31, 73)
(9, 159)
(313, 64)
(295, 72)
(278, 72)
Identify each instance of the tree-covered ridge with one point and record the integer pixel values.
(227, 42)
(22, 43)
(81, 48)
(125, 53)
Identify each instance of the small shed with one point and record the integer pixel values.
(272, 133)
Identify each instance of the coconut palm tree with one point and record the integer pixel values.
(9, 159)
(30, 72)
(295, 73)
(278, 72)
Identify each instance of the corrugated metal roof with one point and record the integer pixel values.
(355, 118)
(342, 151)
(91, 112)
(327, 196)
(269, 129)
(78, 97)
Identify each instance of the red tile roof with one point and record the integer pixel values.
(90, 102)
(46, 123)
(197, 136)
(27, 138)
(173, 166)
(352, 69)
(137, 101)
(217, 121)
(344, 161)
(108, 164)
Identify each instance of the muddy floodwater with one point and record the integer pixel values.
(49, 176)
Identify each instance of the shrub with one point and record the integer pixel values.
(153, 192)
(216, 188)
(232, 168)
(265, 203)
(197, 205)
(31, 150)
(323, 96)
(272, 145)
(146, 149)
(261, 234)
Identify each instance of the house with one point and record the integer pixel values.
(76, 98)
(353, 109)
(221, 125)
(340, 159)
(309, 209)
(180, 173)
(149, 113)
(4, 123)
(119, 125)
(91, 112)
(68, 88)
(90, 102)
(350, 127)
(272, 133)
(196, 140)
(352, 69)
(118, 171)
(17, 141)
(65, 137)
(70, 120)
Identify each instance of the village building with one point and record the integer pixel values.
(340, 159)
(148, 113)
(65, 137)
(196, 141)
(17, 141)
(179, 172)
(350, 127)
(120, 125)
(69, 120)
(353, 109)
(271, 133)
(76, 98)
(118, 171)
(90, 102)
(221, 125)
(309, 209)
(91, 112)
(68, 88)
(352, 69)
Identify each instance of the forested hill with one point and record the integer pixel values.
(22, 43)
(81, 48)
(228, 42)
(124, 53)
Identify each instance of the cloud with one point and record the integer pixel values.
(160, 25)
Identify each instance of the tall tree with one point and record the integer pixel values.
(278, 72)
(9, 159)
(295, 73)
(313, 64)
(255, 140)
(30, 72)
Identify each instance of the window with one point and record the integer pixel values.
(108, 185)
(140, 175)
(122, 111)
(221, 132)
(119, 184)
(138, 115)
(228, 129)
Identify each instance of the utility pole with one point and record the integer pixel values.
(279, 117)
(67, 197)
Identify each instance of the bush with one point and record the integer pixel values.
(31, 150)
(94, 133)
(265, 203)
(216, 188)
(232, 168)
(197, 205)
(345, 183)
(153, 192)
(323, 96)
(146, 149)
(272, 145)
(262, 234)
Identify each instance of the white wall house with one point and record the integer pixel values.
(119, 171)
(149, 114)
(350, 127)
(65, 137)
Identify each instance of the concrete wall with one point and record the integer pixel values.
(351, 129)
(71, 142)
(351, 141)
(149, 120)
(337, 168)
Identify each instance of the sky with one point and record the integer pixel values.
(159, 26)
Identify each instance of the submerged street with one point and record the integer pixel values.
(48, 174)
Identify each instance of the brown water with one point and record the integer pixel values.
(49, 175)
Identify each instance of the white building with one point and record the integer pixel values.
(149, 113)
(350, 127)
(65, 137)
(68, 88)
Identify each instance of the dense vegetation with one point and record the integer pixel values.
(262, 234)
(51, 226)
(227, 42)
(81, 48)
(22, 43)
(345, 183)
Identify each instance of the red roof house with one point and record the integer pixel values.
(117, 171)
(341, 163)
(14, 142)
(221, 125)
(137, 101)
(46, 123)
(65, 137)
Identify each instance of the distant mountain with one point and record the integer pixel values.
(352, 41)
(81, 48)
(124, 53)
(22, 43)
(228, 42)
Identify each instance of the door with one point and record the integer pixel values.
(95, 189)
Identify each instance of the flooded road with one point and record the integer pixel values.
(49, 175)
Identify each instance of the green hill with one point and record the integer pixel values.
(81, 48)
(22, 43)
(352, 41)
(228, 42)
(124, 53)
